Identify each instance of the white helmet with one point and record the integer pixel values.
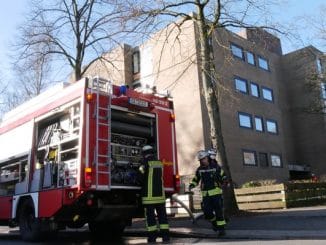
(212, 153)
(201, 154)
(147, 148)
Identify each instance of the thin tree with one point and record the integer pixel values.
(31, 78)
(209, 16)
(315, 83)
(33, 73)
(3, 90)
(71, 32)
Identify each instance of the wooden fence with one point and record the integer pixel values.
(281, 196)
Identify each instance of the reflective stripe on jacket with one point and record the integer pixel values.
(210, 178)
(212, 192)
(153, 190)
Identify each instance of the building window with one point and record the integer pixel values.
(276, 160)
(323, 90)
(136, 84)
(263, 63)
(241, 85)
(254, 89)
(251, 58)
(271, 126)
(267, 94)
(263, 159)
(259, 124)
(319, 66)
(136, 62)
(237, 51)
(249, 157)
(245, 120)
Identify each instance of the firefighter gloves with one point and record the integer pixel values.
(191, 186)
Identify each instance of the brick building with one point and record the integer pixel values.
(266, 135)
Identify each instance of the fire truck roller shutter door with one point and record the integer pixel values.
(131, 118)
(131, 129)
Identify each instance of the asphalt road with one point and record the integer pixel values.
(284, 227)
(83, 239)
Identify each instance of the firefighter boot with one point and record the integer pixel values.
(151, 237)
(165, 236)
(214, 226)
(221, 231)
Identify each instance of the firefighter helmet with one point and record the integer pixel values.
(147, 148)
(212, 153)
(202, 154)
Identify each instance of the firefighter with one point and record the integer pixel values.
(221, 177)
(153, 196)
(212, 199)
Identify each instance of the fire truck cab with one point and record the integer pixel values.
(70, 157)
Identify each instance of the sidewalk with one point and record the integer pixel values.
(298, 223)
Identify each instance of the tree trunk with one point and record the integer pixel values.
(210, 93)
(78, 75)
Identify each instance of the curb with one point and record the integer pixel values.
(238, 234)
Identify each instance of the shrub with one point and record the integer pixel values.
(257, 183)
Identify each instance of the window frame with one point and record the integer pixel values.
(319, 66)
(136, 84)
(240, 113)
(259, 63)
(239, 47)
(258, 91)
(267, 159)
(253, 56)
(135, 53)
(276, 124)
(268, 89)
(323, 90)
(250, 152)
(242, 80)
(280, 157)
(262, 124)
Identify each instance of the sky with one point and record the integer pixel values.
(12, 15)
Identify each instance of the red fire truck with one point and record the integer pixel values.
(70, 156)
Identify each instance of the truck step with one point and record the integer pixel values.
(103, 172)
(103, 156)
(103, 108)
(103, 139)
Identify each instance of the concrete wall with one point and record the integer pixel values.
(309, 134)
(173, 58)
(118, 69)
(232, 102)
(169, 61)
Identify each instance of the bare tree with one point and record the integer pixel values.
(33, 73)
(3, 86)
(314, 86)
(30, 79)
(315, 82)
(3, 95)
(209, 16)
(316, 24)
(9, 97)
(71, 31)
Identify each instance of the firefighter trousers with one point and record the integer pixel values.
(213, 211)
(151, 223)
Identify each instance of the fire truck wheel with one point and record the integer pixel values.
(29, 226)
(105, 230)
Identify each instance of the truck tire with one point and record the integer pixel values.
(30, 227)
(106, 230)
